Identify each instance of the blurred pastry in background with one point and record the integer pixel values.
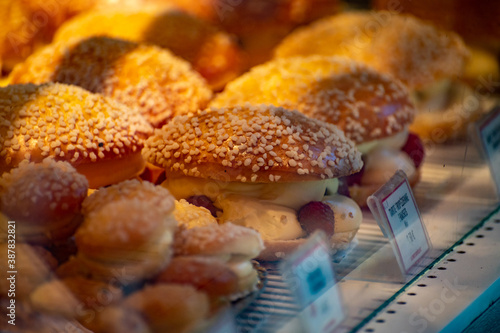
(373, 109)
(259, 24)
(430, 61)
(212, 52)
(143, 77)
(246, 163)
(44, 199)
(101, 138)
(34, 266)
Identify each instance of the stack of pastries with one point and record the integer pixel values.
(145, 171)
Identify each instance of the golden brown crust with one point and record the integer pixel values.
(212, 52)
(35, 124)
(143, 77)
(401, 45)
(170, 307)
(365, 104)
(252, 144)
(218, 240)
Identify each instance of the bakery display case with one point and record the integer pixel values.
(244, 166)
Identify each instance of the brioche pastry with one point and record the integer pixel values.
(170, 307)
(233, 244)
(212, 52)
(44, 199)
(253, 160)
(143, 77)
(99, 137)
(128, 237)
(373, 109)
(34, 265)
(429, 60)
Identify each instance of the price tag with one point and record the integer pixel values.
(488, 130)
(310, 276)
(397, 214)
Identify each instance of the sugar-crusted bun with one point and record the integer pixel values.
(143, 77)
(44, 199)
(99, 137)
(258, 144)
(367, 105)
(408, 48)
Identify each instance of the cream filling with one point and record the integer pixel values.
(395, 142)
(382, 163)
(292, 195)
(273, 222)
(241, 268)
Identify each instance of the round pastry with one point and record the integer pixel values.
(119, 319)
(211, 275)
(428, 60)
(75, 297)
(44, 199)
(250, 161)
(413, 51)
(233, 244)
(128, 237)
(129, 189)
(143, 77)
(170, 307)
(34, 266)
(211, 51)
(259, 24)
(99, 137)
(373, 109)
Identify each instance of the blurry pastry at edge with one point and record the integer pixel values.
(211, 51)
(143, 77)
(44, 199)
(34, 265)
(259, 24)
(250, 161)
(99, 137)
(373, 109)
(430, 61)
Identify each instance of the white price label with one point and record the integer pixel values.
(397, 214)
(309, 274)
(489, 132)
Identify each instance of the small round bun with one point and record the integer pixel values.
(365, 104)
(99, 137)
(211, 51)
(408, 48)
(126, 234)
(157, 196)
(170, 307)
(143, 77)
(259, 144)
(44, 199)
(219, 240)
